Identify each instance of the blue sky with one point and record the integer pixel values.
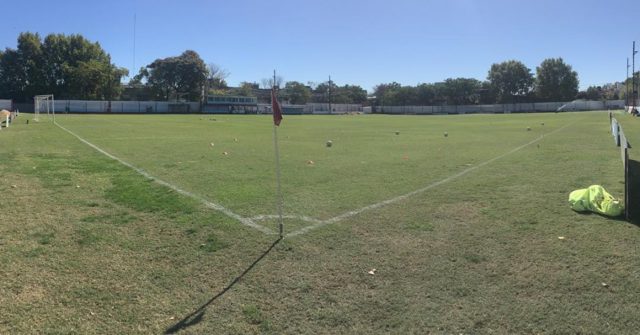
(355, 41)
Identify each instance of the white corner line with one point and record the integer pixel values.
(245, 221)
(322, 223)
(294, 217)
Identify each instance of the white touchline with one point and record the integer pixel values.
(295, 217)
(218, 207)
(343, 216)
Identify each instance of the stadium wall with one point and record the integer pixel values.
(161, 107)
(313, 108)
(578, 105)
(6, 104)
(118, 107)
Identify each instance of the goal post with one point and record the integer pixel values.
(44, 104)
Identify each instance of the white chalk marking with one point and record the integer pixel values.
(245, 221)
(291, 217)
(349, 214)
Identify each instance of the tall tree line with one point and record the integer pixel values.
(71, 67)
(507, 82)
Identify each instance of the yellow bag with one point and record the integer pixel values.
(595, 199)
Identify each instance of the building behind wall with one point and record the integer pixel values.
(230, 104)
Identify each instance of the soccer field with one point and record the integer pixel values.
(139, 224)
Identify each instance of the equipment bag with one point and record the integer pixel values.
(595, 199)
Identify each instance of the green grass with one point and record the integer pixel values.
(89, 246)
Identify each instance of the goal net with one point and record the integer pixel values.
(43, 104)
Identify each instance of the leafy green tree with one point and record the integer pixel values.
(556, 81)
(12, 78)
(184, 75)
(347, 94)
(461, 91)
(246, 89)
(428, 94)
(21, 69)
(325, 92)
(68, 66)
(510, 80)
(354, 94)
(298, 93)
(140, 77)
(592, 93)
(383, 93)
(487, 94)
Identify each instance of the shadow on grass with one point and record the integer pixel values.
(196, 316)
(619, 218)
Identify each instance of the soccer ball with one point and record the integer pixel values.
(329, 143)
(446, 134)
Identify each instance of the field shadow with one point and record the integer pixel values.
(619, 218)
(196, 316)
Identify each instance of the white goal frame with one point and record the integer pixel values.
(44, 103)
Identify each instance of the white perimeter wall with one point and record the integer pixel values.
(579, 105)
(86, 106)
(5, 104)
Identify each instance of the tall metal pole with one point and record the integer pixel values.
(279, 199)
(626, 85)
(634, 92)
(330, 110)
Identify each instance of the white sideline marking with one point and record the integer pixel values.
(297, 217)
(220, 208)
(322, 223)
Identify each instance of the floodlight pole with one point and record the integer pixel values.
(633, 78)
(330, 110)
(626, 85)
(134, 42)
(279, 199)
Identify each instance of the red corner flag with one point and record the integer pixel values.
(275, 107)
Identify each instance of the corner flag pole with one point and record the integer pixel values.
(277, 117)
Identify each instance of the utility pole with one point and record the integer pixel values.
(330, 110)
(626, 85)
(634, 94)
(133, 70)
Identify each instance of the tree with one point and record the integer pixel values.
(246, 89)
(216, 77)
(556, 81)
(461, 91)
(184, 75)
(509, 80)
(426, 94)
(12, 78)
(67, 66)
(353, 94)
(268, 83)
(22, 70)
(487, 94)
(325, 92)
(382, 92)
(592, 93)
(138, 79)
(298, 93)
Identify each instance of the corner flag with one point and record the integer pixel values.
(275, 106)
